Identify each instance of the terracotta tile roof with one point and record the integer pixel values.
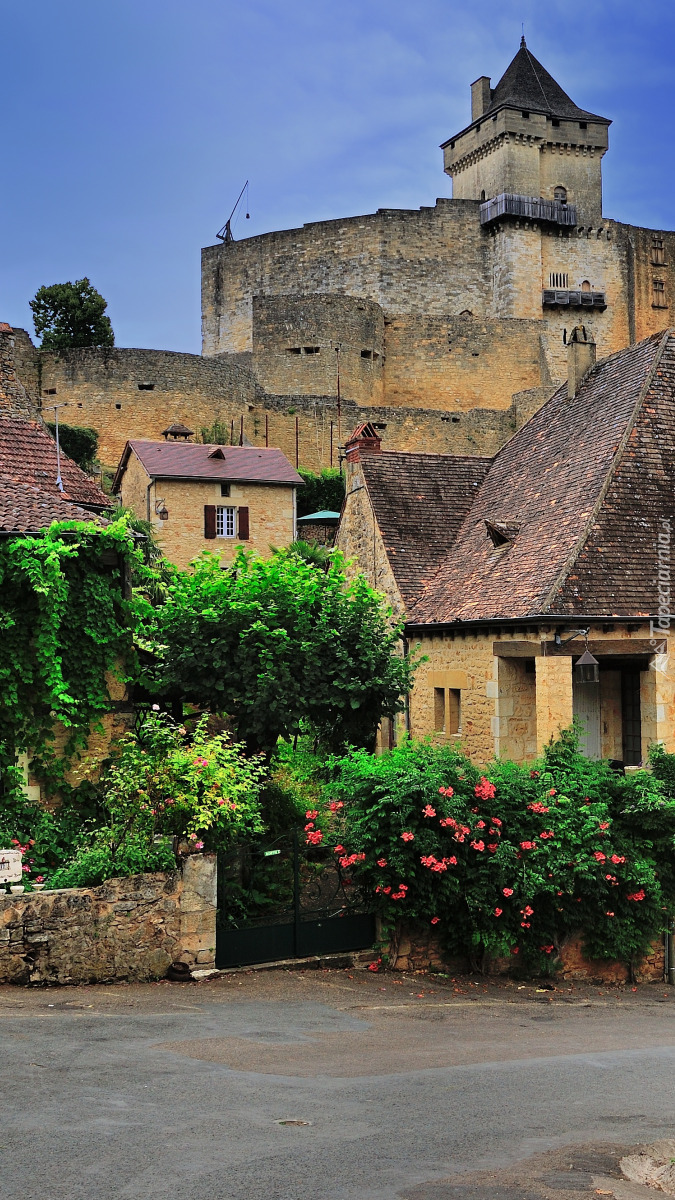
(180, 460)
(25, 508)
(586, 482)
(28, 455)
(420, 501)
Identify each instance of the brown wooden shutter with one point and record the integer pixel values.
(209, 520)
(243, 524)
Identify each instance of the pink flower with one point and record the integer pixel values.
(528, 845)
(493, 847)
(407, 837)
(446, 792)
(525, 924)
(336, 805)
(386, 890)
(547, 833)
(498, 912)
(398, 895)
(480, 824)
(507, 891)
(452, 860)
(527, 911)
(220, 803)
(314, 838)
(309, 825)
(478, 845)
(435, 920)
(199, 845)
(496, 821)
(445, 821)
(428, 811)
(552, 792)
(609, 914)
(636, 895)
(538, 807)
(618, 858)
(381, 862)
(484, 790)
(193, 837)
(603, 825)
(338, 849)
(311, 814)
(597, 854)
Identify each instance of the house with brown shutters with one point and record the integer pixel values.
(559, 545)
(209, 497)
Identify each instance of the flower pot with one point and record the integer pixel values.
(37, 887)
(16, 888)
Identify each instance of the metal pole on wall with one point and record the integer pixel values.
(267, 429)
(297, 442)
(339, 401)
(241, 430)
(331, 443)
(56, 407)
(232, 432)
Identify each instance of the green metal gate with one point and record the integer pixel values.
(282, 900)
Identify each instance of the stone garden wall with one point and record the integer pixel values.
(129, 929)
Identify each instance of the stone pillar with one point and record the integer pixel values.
(657, 703)
(198, 903)
(553, 696)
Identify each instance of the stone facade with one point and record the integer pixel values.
(181, 536)
(130, 929)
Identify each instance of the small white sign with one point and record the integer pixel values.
(10, 866)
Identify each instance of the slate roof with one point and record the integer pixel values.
(587, 483)
(189, 460)
(526, 84)
(28, 455)
(25, 508)
(420, 502)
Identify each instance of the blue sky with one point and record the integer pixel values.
(129, 126)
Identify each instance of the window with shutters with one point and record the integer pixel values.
(225, 521)
(658, 255)
(658, 294)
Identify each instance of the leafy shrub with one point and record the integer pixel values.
(95, 863)
(515, 861)
(79, 442)
(324, 492)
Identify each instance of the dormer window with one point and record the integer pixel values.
(501, 534)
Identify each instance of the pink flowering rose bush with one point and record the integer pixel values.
(511, 860)
(166, 786)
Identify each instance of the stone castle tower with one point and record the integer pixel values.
(448, 323)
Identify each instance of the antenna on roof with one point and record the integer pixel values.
(522, 29)
(225, 234)
(56, 407)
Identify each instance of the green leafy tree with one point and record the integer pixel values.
(324, 492)
(71, 315)
(277, 642)
(79, 442)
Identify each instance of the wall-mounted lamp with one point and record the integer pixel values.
(161, 510)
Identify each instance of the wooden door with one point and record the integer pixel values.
(586, 708)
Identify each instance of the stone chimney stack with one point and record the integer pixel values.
(580, 358)
(481, 96)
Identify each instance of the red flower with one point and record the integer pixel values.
(552, 792)
(547, 949)
(609, 914)
(445, 821)
(603, 825)
(484, 790)
(515, 949)
(374, 966)
(312, 814)
(338, 849)
(386, 890)
(309, 825)
(637, 895)
(525, 924)
(428, 811)
(398, 895)
(407, 837)
(446, 792)
(618, 858)
(507, 891)
(528, 845)
(452, 860)
(315, 838)
(496, 821)
(538, 807)
(498, 912)
(493, 847)
(480, 824)
(597, 854)
(534, 774)
(478, 845)
(435, 920)
(381, 862)
(336, 805)
(547, 833)
(527, 911)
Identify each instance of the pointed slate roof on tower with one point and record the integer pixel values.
(526, 84)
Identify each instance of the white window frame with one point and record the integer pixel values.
(226, 521)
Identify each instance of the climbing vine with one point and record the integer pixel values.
(65, 631)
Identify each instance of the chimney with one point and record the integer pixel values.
(580, 358)
(481, 96)
(364, 440)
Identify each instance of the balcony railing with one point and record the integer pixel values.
(531, 207)
(557, 298)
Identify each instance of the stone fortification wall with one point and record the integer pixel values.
(126, 929)
(296, 340)
(431, 260)
(136, 393)
(15, 397)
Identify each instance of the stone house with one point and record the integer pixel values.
(560, 543)
(207, 497)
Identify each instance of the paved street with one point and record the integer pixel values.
(404, 1089)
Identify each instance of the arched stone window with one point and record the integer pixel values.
(482, 195)
(585, 286)
(560, 194)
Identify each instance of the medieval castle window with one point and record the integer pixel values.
(558, 279)
(294, 349)
(366, 354)
(658, 294)
(525, 116)
(312, 349)
(146, 387)
(555, 123)
(658, 255)
(560, 194)
(586, 285)
(50, 391)
(583, 125)
(118, 406)
(482, 195)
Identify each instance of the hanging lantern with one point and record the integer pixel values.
(587, 669)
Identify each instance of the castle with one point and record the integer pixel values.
(446, 325)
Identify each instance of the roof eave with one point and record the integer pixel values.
(457, 625)
(544, 112)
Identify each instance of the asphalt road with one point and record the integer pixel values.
(403, 1089)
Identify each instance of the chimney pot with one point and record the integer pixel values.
(481, 95)
(581, 350)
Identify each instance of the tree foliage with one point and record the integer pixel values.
(71, 315)
(79, 442)
(277, 642)
(323, 492)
